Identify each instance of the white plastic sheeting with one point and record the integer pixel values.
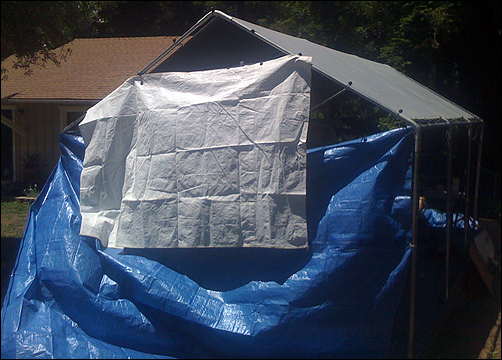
(200, 159)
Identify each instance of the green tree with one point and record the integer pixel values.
(453, 47)
(31, 30)
(147, 18)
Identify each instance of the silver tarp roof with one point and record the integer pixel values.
(380, 84)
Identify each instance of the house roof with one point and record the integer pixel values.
(94, 68)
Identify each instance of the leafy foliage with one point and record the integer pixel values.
(452, 47)
(31, 30)
(32, 191)
(147, 18)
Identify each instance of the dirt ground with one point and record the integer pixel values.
(472, 329)
(465, 326)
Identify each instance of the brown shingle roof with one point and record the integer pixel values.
(94, 69)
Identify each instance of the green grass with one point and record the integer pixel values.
(14, 216)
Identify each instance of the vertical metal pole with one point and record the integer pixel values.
(415, 215)
(478, 173)
(448, 208)
(467, 185)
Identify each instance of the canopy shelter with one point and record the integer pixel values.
(223, 41)
(220, 40)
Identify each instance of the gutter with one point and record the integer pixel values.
(52, 101)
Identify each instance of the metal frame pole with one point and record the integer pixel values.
(467, 185)
(179, 41)
(478, 173)
(333, 96)
(448, 208)
(413, 245)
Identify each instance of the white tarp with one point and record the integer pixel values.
(211, 158)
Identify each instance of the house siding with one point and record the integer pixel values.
(95, 68)
(42, 124)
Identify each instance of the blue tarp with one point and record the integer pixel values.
(69, 297)
(438, 219)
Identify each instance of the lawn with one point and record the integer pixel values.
(14, 216)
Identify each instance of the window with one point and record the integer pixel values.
(69, 114)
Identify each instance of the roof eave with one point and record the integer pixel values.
(51, 101)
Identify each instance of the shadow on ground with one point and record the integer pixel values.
(10, 247)
(464, 326)
(472, 329)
